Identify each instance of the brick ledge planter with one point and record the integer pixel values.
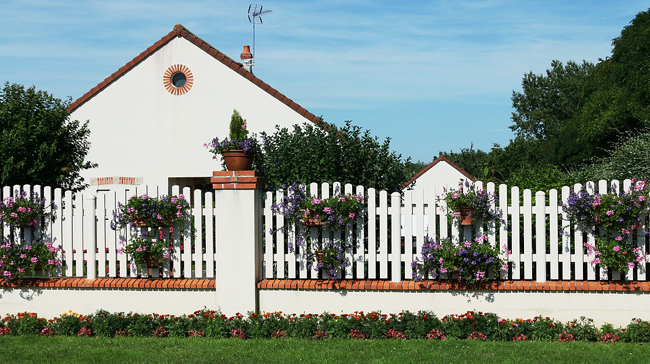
(113, 283)
(501, 286)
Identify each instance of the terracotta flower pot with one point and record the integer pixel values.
(238, 160)
(465, 216)
(312, 221)
(151, 262)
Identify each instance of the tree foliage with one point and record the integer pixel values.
(579, 121)
(39, 144)
(628, 158)
(547, 102)
(326, 153)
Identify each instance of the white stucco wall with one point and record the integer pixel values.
(51, 303)
(442, 174)
(139, 129)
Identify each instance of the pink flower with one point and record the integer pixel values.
(34, 259)
(455, 195)
(456, 214)
(327, 210)
(630, 264)
(618, 238)
(352, 215)
(641, 198)
(341, 199)
(610, 212)
(316, 201)
(617, 248)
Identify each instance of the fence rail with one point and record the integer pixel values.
(543, 244)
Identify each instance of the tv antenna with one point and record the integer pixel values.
(255, 17)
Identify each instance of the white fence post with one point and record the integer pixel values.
(238, 248)
(90, 235)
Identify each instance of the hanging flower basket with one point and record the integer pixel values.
(466, 216)
(311, 220)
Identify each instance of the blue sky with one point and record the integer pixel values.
(431, 75)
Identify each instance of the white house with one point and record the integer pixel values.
(150, 119)
(438, 174)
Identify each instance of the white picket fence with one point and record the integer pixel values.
(82, 222)
(381, 246)
(384, 244)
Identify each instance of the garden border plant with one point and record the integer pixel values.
(471, 325)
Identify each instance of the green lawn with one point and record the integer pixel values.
(201, 350)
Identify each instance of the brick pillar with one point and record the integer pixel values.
(238, 197)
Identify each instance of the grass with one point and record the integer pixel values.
(27, 349)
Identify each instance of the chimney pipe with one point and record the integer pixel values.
(247, 59)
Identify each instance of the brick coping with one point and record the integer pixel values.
(429, 285)
(327, 285)
(113, 283)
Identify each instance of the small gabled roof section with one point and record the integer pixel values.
(441, 158)
(181, 31)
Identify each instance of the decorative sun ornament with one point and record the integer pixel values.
(178, 79)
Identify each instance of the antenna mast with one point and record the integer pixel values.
(255, 16)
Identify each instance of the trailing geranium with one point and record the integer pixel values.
(467, 200)
(22, 210)
(471, 261)
(145, 250)
(18, 260)
(618, 216)
(336, 213)
(150, 211)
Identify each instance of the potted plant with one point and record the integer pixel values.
(336, 213)
(22, 210)
(146, 250)
(471, 261)
(468, 203)
(144, 210)
(329, 256)
(238, 149)
(20, 259)
(618, 216)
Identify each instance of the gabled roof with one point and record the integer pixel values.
(181, 31)
(441, 158)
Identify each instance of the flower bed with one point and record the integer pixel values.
(358, 325)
